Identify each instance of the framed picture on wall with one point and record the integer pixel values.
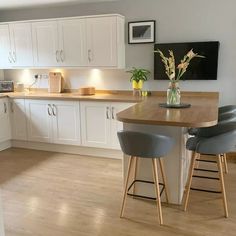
(141, 32)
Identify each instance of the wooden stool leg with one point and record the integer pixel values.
(225, 163)
(135, 173)
(164, 178)
(189, 181)
(156, 183)
(222, 185)
(126, 186)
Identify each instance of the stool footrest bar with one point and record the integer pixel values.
(205, 190)
(206, 161)
(200, 169)
(146, 182)
(205, 177)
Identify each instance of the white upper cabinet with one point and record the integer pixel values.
(16, 45)
(101, 38)
(5, 47)
(72, 42)
(21, 45)
(90, 41)
(45, 44)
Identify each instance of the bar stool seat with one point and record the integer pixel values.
(148, 146)
(213, 141)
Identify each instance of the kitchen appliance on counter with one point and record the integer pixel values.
(55, 83)
(6, 86)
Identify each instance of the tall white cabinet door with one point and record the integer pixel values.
(39, 118)
(5, 129)
(18, 119)
(72, 42)
(66, 123)
(5, 47)
(45, 43)
(102, 41)
(21, 44)
(115, 124)
(95, 124)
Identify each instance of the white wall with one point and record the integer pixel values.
(177, 21)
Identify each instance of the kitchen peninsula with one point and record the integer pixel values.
(148, 116)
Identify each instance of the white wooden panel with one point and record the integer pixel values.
(45, 43)
(5, 47)
(72, 44)
(66, 123)
(21, 44)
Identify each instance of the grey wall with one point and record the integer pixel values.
(179, 20)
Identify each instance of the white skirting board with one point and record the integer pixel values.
(70, 149)
(5, 145)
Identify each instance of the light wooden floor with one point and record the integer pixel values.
(50, 194)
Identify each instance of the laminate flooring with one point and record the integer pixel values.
(54, 194)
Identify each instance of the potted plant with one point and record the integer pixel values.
(138, 75)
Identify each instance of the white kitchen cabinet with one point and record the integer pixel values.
(18, 119)
(72, 42)
(16, 45)
(21, 44)
(53, 121)
(5, 47)
(39, 120)
(45, 43)
(105, 41)
(5, 129)
(66, 122)
(99, 125)
(95, 124)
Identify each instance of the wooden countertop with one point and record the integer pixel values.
(75, 96)
(202, 113)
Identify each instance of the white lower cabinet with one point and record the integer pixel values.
(53, 121)
(99, 125)
(18, 119)
(5, 128)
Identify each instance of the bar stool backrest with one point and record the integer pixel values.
(144, 145)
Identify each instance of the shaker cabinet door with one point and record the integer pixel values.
(6, 59)
(72, 42)
(102, 41)
(45, 44)
(21, 44)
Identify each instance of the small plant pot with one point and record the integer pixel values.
(137, 85)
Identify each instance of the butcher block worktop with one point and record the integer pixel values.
(202, 113)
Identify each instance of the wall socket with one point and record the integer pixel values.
(41, 76)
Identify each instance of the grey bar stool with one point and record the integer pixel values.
(149, 146)
(225, 118)
(213, 140)
(224, 112)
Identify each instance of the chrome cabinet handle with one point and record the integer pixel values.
(14, 56)
(54, 110)
(10, 57)
(62, 55)
(5, 108)
(12, 109)
(49, 110)
(57, 52)
(89, 55)
(112, 113)
(107, 113)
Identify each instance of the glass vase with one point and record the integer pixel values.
(173, 94)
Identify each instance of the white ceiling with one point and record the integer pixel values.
(10, 4)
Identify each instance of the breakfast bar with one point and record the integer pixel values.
(147, 116)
